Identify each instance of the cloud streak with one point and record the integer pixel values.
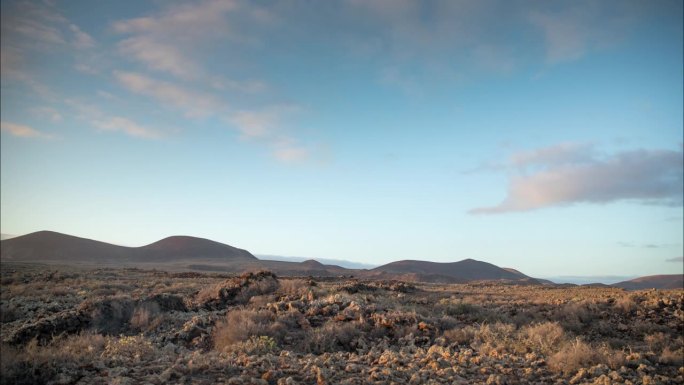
(118, 123)
(165, 42)
(23, 131)
(677, 259)
(566, 175)
(259, 124)
(195, 104)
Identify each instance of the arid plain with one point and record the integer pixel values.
(134, 326)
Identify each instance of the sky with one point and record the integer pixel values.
(543, 136)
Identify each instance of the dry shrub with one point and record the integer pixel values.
(259, 301)
(461, 336)
(575, 316)
(403, 331)
(543, 337)
(128, 349)
(331, 337)
(9, 313)
(672, 357)
(615, 359)
(241, 324)
(574, 355)
(446, 322)
(459, 308)
(498, 337)
(146, 316)
(625, 304)
(257, 287)
(656, 341)
(255, 346)
(35, 364)
(294, 287)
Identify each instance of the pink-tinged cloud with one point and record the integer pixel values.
(195, 104)
(23, 131)
(644, 176)
(117, 123)
(166, 42)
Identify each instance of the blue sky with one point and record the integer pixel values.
(545, 136)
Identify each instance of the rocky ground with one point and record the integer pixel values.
(129, 326)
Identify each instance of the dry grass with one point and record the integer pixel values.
(330, 337)
(241, 324)
(35, 364)
(575, 355)
(146, 317)
(543, 337)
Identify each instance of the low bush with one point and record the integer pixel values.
(241, 324)
(331, 337)
(543, 337)
(146, 316)
(36, 364)
(574, 355)
(128, 349)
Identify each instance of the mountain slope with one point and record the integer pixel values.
(53, 246)
(465, 270)
(672, 281)
(185, 247)
(50, 246)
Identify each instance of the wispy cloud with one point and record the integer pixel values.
(165, 42)
(93, 115)
(564, 175)
(290, 151)
(575, 28)
(118, 123)
(31, 29)
(261, 123)
(195, 104)
(49, 113)
(81, 40)
(676, 259)
(559, 154)
(266, 125)
(23, 131)
(36, 25)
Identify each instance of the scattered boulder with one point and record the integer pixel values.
(237, 290)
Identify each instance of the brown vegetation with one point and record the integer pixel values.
(119, 326)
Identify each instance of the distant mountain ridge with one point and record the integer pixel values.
(665, 281)
(45, 246)
(461, 271)
(192, 253)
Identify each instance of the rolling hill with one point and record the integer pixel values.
(461, 271)
(185, 247)
(50, 246)
(192, 253)
(671, 281)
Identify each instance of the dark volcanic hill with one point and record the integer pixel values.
(184, 247)
(50, 246)
(672, 281)
(191, 253)
(462, 271)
